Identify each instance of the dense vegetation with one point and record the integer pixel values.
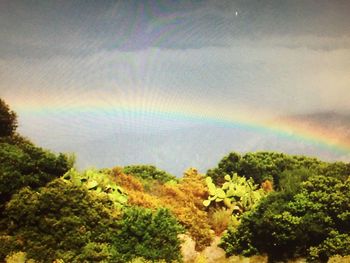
(263, 203)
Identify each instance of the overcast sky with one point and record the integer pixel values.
(261, 58)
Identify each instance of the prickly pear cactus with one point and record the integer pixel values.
(237, 193)
(98, 182)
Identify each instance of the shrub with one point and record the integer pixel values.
(59, 221)
(339, 259)
(230, 164)
(183, 199)
(18, 257)
(334, 244)
(314, 222)
(147, 234)
(23, 164)
(142, 260)
(238, 194)
(8, 120)
(148, 172)
(100, 182)
(262, 166)
(219, 220)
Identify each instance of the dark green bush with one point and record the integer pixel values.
(270, 166)
(147, 234)
(8, 120)
(23, 164)
(230, 164)
(148, 172)
(334, 244)
(60, 220)
(313, 222)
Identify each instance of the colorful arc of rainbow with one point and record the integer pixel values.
(283, 131)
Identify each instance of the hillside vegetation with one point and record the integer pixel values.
(265, 204)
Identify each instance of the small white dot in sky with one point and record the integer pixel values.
(236, 13)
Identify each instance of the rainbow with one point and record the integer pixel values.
(284, 129)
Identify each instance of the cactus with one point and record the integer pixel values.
(237, 193)
(98, 182)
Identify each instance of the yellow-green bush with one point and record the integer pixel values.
(184, 199)
(219, 220)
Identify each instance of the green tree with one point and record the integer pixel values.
(147, 234)
(59, 221)
(238, 194)
(23, 164)
(148, 172)
(314, 222)
(230, 164)
(8, 120)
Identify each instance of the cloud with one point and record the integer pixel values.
(268, 75)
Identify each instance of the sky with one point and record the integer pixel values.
(172, 83)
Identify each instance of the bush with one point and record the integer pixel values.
(335, 244)
(262, 166)
(23, 164)
(339, 259)
(148, 172)
(230, 164)
(8, 120)
(313, 222)
(18, 257)
(61, 221)
(100, 182)
(147, 234)
(219, 220)
(183, 199)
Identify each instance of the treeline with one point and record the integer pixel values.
(263, 203)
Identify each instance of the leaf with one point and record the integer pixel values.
(122, 199)
(212, 198)
(208, 180)
(231, 192)
(225, 185)
(91, 184)
(220, 193)
(227, 202)
(227, 177)
(212, 189)
(206, 203)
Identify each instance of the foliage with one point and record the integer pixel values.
(267, 186)
(142, 260)
(99, 182)
(60, 220)
(149, 235)
(219, 220)
(50, 212)
(8, 120)
(148, 172)
(262, 166)
(18, 257)
(313, 222)
(23, 164)
(237, 193)
(339, 259)
(334, 244)
(135, 191)
(230, 164)
(290, 180)
(184, 199)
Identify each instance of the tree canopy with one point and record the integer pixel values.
(8, 120)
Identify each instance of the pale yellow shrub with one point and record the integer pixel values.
(18, 257)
